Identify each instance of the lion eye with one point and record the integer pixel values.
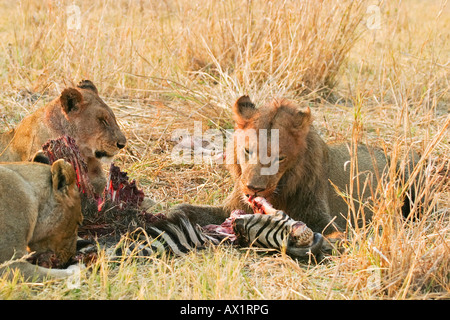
(281, 158)
(104, 122)
(246, 151)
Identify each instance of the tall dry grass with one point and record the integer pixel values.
(136, 47)
(161, 65)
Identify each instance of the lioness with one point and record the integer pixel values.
(78, 112)
(40, 211)
(305, 164)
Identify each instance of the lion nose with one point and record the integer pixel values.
(255, 189)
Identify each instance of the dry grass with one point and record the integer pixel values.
(162, 65)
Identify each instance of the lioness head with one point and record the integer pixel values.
(268, 142)
(57, 226)
(92, 122)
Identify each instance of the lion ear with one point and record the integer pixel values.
(87, 84)
(303, 117)
(71, 100)
(63, 175)
(243, 110)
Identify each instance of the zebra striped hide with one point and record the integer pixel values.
(277, 231)
(179, 236)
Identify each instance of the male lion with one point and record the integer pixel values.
(78, 112)
(305, 166)
(40, 211)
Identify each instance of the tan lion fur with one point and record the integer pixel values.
(78, 112)
(301, 186)
(40, 212)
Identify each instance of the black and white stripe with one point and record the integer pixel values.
(177, 235)
(274, 232)
(180, 236)
(264, 231)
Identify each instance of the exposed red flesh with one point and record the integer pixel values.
(66, 148)
(105, 214)
(120, 191)
(46, 259)
(224, 230)
(261, 205)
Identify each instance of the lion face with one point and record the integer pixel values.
(268, 142)
(57, 227)
(92, 122)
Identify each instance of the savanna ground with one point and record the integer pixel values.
(374, 74)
